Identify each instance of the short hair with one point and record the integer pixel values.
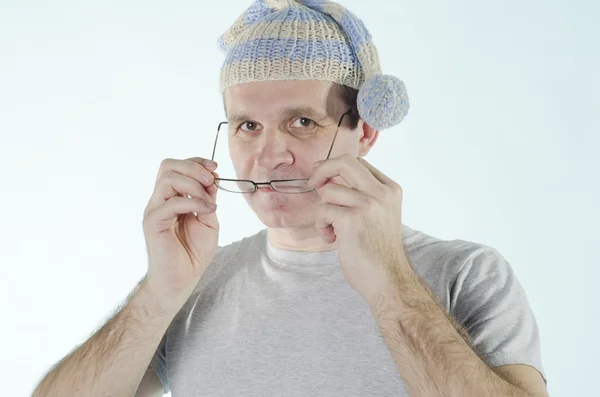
(349, 96)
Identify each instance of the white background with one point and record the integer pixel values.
(499, 147)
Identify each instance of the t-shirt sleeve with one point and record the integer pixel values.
(488, 300)
(159, 363)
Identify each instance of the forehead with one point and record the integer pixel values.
(263, 97)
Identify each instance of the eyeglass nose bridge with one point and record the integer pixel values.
(258, 184)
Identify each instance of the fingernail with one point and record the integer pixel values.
(212, 163)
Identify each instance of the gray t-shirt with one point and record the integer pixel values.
(264, 321)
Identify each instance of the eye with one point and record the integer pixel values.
(302, 122)
(250, 126)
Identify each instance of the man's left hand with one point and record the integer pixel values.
(364, 215)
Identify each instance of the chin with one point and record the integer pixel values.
(284, 222)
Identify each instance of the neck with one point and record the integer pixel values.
(307, 239)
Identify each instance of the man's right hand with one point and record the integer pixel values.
(180, 244)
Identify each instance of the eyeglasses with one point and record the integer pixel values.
(288, 186)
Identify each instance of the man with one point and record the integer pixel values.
(335, 297)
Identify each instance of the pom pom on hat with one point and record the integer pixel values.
(382, 101)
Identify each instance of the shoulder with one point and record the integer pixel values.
(432, 254)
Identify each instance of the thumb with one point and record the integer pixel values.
(212, 189)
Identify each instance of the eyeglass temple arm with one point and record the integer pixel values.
(336, 131)
(216, 138)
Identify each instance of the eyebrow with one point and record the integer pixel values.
(290, 111)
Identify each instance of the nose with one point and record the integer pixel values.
(273, 150)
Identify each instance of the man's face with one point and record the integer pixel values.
(277, 130)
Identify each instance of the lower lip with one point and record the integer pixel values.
(266, 190)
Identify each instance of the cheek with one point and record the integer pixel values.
(242, 163)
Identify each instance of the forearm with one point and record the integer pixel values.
(432, 352)
(112, 362)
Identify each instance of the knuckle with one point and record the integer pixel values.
(395, 189)
(165, 163)
(147, 219)
(146, 211)
(168, 176)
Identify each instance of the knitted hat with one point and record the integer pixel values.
(312, 40)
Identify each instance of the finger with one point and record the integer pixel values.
(207, 163)
(192, 167)
(346, 167)
(200, 169)
(181, 205)
(334, 193)
(213, 189)
(328, 234)
(174, 184)
(325, 219)
(195, 167)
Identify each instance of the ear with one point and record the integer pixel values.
(367, 139)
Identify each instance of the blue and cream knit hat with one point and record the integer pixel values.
(312, 40)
